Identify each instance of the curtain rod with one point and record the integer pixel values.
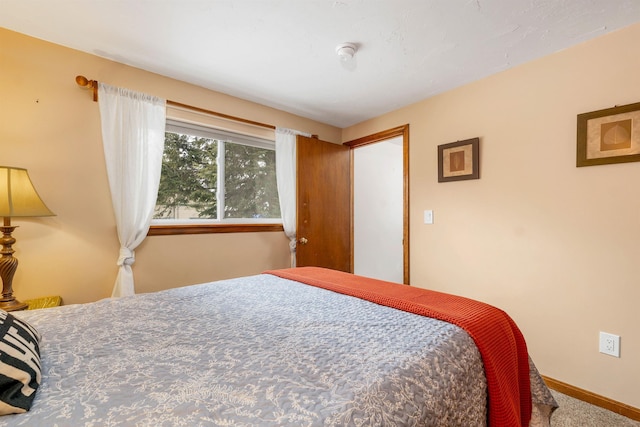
(93, 85)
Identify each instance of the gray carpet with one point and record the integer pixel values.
(576, 413)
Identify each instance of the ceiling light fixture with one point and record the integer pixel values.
(346, 51)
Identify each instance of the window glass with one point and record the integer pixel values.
(210, 175)
(249, 182)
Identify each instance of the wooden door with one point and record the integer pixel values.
(324, 205)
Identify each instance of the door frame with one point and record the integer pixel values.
(380, 137)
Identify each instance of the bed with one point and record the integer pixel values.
(293, 347)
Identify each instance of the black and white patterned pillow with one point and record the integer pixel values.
(20, 370)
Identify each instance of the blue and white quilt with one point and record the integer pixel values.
(253, 351)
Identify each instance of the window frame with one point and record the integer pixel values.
(178, 229)
(207, 226)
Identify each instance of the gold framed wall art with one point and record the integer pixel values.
(609, 136)
(459, 160)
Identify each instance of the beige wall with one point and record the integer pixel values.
(50, 126)
(557, 247)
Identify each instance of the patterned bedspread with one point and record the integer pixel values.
(253, 351)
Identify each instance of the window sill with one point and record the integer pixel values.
(168, 230)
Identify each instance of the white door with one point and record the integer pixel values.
(378, 210)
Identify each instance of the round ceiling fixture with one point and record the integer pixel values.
(346, 51)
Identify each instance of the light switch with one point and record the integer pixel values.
(428, 217)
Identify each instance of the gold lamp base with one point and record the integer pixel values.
(12, 305)
(8, 266)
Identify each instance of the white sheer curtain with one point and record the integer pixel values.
(286, 182)
(133, 136)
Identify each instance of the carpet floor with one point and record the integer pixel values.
(576, 413)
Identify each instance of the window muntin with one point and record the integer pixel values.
(215, 176)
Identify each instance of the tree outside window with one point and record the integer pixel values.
(217, 179)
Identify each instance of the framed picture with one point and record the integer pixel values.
(458, 161)
(609, 136)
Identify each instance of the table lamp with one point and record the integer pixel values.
(18, 198)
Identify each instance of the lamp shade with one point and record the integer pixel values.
(18, 197)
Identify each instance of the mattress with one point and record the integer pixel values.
(256, 351)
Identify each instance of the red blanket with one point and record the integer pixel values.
(500, 342)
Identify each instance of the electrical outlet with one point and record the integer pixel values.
(610, 344)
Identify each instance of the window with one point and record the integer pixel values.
(212, 176)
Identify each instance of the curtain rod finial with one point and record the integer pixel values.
(93, 84)
(83, 81)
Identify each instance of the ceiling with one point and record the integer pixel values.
(281, 53)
